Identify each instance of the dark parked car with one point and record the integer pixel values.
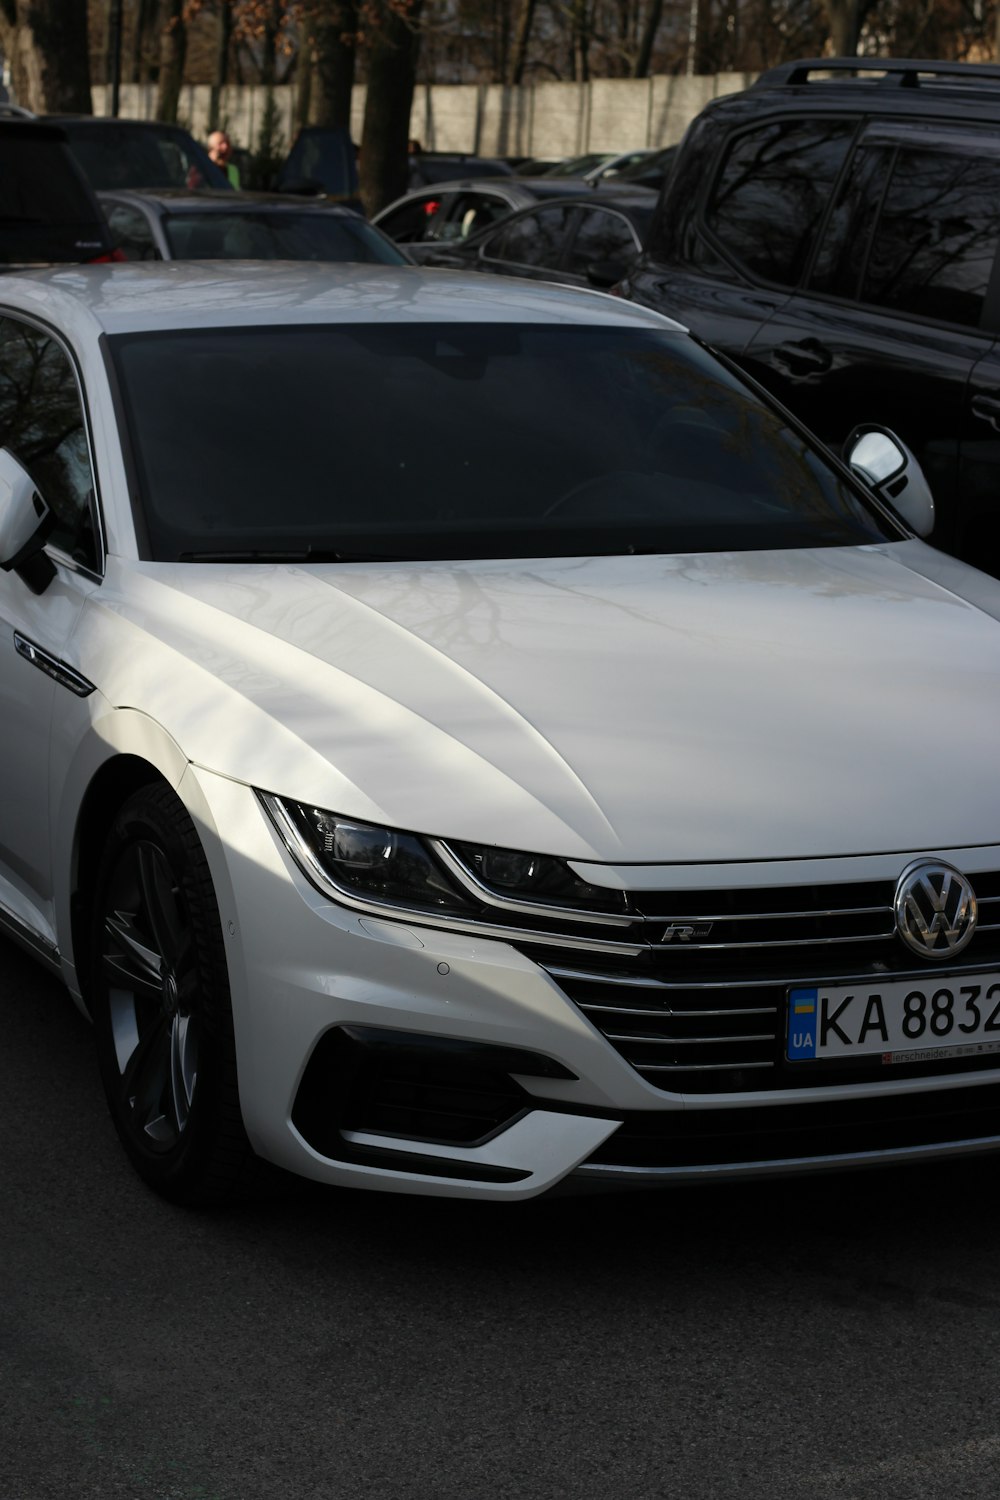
(48, 212)
(323, 159)
(574, 240)
(440, 166)
(835, 230)
(242, 226)
(139, 154)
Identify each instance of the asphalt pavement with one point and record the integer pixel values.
(811, 1339)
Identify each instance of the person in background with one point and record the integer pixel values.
(220, 150)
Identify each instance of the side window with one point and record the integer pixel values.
(601, 236)
(42, 423)
(471, 212)
(535, 239)
(131, 232)
(936, 238)
(412, 221)
(843, 252)
(772, 191)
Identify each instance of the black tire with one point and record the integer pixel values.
(160, 1001)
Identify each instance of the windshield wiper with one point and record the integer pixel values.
(301, 555)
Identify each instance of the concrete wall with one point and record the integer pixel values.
(540, 119)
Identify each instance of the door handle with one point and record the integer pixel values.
(987, 408)
(804, 357)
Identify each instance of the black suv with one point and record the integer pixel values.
(834, 229)
(48, 212)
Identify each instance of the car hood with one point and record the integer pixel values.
(715, 707)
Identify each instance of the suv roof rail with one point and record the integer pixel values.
(900, 72)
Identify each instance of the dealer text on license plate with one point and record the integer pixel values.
(902, 1021)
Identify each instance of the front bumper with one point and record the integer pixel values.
(353, 1034)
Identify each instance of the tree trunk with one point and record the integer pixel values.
(334, 28)
(644, 57)
(49, 56)
(580, 19)
(522, 37)
(222, 40)
(844, 17)
(392, 76)
(173, 50)
(144, 42)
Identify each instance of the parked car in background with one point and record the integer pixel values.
(453, 211)
(48, 211)
(242, 226)
(139, 154)
(646, 169)
(323, 159)
(835, 230)
(578, 166)
(608, 165)
(427, 167)
(576, 241)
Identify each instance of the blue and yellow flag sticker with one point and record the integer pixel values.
(802, 1024)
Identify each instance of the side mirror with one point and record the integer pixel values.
(25, 522)
(885, 463)
(603, 274)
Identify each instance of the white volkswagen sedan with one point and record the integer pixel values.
(460, 738)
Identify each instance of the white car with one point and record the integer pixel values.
(459, 738)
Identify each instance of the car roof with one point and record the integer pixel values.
(164, 295)
(102, 122)
(637, 204)
(211, 200)
(879, 86)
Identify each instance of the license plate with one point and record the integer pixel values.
(902, 1021)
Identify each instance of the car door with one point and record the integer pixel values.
(896, 315)
(601, 236)
(532, 244)
(758, 203)
(43, 422)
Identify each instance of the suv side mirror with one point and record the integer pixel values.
(888, 466)
(25, 522)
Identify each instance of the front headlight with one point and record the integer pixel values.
(370, 866)
(361, 859)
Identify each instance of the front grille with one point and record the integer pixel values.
(703, 1008)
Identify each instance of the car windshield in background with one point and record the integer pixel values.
(278, 236)
(425, 441)
(129, 156)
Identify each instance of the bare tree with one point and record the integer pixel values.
(330, 61)
(845, 26)
(173, 50)
(46, 43)
(392, 48)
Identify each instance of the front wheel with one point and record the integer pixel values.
(161, 1005)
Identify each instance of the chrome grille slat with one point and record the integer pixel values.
(623, 1010)
(700, 1067)
(770, 916)
(686, 1041)
(868, 937)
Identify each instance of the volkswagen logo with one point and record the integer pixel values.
(935, 908)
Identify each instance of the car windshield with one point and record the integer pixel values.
(143, 156)
(421, 441)
(286, 235)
